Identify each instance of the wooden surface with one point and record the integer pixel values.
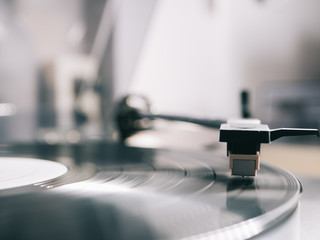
(298, 159)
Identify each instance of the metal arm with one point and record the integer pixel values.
(243, 137)
(289, 132)
(133, 115)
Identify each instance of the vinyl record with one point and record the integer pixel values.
(114, 192)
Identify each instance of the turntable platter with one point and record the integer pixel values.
(150, 194)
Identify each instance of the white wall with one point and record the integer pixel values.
(131, 27)
(187, 63)
(198, 54)
(277, 40)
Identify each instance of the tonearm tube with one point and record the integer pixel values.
(243, 136)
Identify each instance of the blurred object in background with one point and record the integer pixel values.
(278, 42)
(17, 77)
(290, 104)
(63, 63)
(98, 50)
(74, 59)
(71, 76)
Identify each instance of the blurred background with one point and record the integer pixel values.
(65, 64)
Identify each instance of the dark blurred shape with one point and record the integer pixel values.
(128, 115)
(133, 115)
(245, 104)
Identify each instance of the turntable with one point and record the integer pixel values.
(110, 191)
(114, 192)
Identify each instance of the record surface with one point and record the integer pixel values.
(114, 192)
